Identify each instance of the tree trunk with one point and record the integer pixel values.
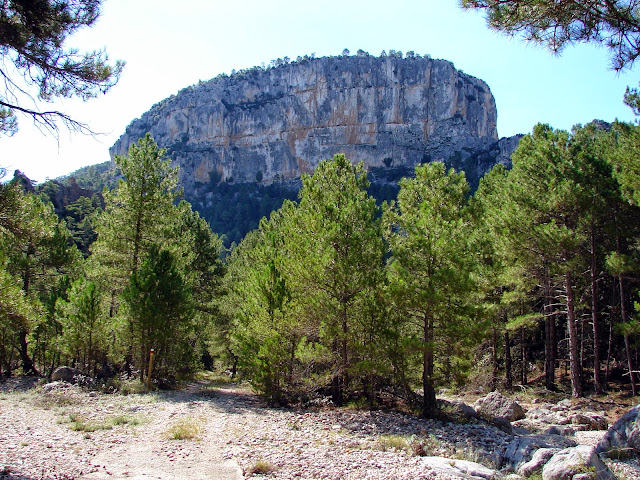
(627, 346)
(549, 340)
(609, 348)
(627, 343)
(345, 349)
(574, 359)
(595, 320)
(429, 394)
(28, 368)
(90, 353)
(494, 359)
(508, 383)
(523, 356)
(137, 243)
(234, 366)
(336, 391)
(4, 362)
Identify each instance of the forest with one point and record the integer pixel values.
(531, 279)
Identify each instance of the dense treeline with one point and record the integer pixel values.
(537, 266)
(233, 210)
(149, 280)
(334, 294)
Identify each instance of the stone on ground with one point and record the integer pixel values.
(459, 468)
(522, 448)
(496, 405)
(66, 374)
(538, 460)
(569, 463)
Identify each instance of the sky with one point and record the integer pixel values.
(169, 45)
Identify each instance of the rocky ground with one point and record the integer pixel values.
(58, 431)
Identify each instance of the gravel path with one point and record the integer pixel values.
(62, 432)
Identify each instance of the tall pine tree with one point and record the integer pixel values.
(427, 230)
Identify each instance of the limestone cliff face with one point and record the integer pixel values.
(273, 125)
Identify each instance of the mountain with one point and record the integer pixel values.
(242, 141)
(271, 125)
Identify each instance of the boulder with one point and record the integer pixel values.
(458, 408)
(589, 421)
(55, 386)
(584, 476)
(67, 374)
(561, 419)
(623, 438)
(459, 468)
(466, 410)
(497, 405)
(564, 430)
(571, 462)
(538, 460)
(503, 424)
(522, 448)
(562, 405)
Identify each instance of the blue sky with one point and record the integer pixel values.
(169, 45)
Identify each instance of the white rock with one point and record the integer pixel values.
(459, 468)
(571, 461)
(538, 460)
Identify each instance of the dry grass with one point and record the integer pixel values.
(185, 429)
(260, 467)
(393, 443)
(418, 445)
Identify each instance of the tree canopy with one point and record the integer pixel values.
(34, 57)
(554, 24)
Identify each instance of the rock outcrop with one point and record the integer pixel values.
(623, 438)
(268, 125)
(522, 448)
(562, 418)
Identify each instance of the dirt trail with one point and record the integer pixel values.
(151, 454)
(66, 433)
(62, 432)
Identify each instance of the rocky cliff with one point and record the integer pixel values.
(269, 125)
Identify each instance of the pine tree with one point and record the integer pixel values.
(547, 202)
(159, 306)
(32, 39)
(614, 24)
(266, 333)
(137, 214)
(37, 252)
(556, 203)
(82, 321)
(501, 293)
(338, 254)
(302, 288)
(590, 150)
(141, 217)
(430, 268)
